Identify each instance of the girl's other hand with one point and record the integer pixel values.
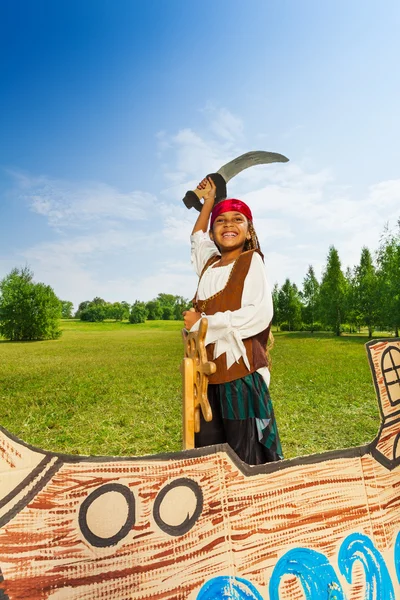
(190, 317)
(209, 196)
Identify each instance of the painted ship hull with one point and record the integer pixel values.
(202, 525)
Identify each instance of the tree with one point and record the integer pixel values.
(353, 316)
(138, 312)
(366, 291)
(181, 304)
(127, 309)
(82, 306)
(167, 313)
(333, 292)
(389, 279)
(154, 310)
(276, 319)
(66, 309)
(118, 311)
(310, 297)
(172, 306)
(28, 310)
(166, 299)
(98, 301)
(289, 305)
(94, 313)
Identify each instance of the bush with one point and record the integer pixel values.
(297, 326)
(138, 313)
(94, 314)
(28, 310)
(167, 313)
(349, 329)
(315, 327)
(154, 310)
(66, 309)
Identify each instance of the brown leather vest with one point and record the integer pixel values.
(230, 298)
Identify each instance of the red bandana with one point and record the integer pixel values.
(230, 204)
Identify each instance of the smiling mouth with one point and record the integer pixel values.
(229, 234)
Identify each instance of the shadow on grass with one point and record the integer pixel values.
(2, 341)
(346, 337)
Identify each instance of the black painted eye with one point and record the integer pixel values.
(107, 515)
(178, 506)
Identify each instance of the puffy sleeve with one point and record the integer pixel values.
(227, 329)
(202, 249)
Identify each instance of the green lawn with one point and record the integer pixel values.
(115, 388)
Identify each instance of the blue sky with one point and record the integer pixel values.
(110, 111)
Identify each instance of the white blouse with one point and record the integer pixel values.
(227, 329)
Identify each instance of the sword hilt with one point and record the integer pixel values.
(192, 198)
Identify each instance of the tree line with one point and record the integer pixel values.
(166, 307)
(32, 311)
(367, 295)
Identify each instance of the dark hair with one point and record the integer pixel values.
(253, 243)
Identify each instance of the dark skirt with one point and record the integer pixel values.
(243, 417)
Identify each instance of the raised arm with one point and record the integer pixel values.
(209, 198)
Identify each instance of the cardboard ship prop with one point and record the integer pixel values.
(202, 525)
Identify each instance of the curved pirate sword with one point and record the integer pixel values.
(227, 172)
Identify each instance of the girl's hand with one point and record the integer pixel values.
(190, 317)
(209, 195)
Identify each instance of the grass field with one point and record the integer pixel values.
(115, 388)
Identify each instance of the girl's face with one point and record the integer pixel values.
(230, 230)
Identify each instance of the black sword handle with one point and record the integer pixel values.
(192, 197)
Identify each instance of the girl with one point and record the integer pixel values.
(234, 295)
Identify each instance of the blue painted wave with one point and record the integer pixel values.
(397, 556)
(312, 568)
(316, 575)
(228, 588)
(358, 547)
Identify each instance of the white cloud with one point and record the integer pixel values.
(103, 241)
(177, 223)
(168, 282)
(77, 267)
(385, 196)
(71, 204)
(188, 155)
(225, 125)
(95, 230)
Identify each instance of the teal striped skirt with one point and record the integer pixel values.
(243, 416)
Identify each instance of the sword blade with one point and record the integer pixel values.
(256, 157)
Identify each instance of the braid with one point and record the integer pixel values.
(253, 243)
(270, 345)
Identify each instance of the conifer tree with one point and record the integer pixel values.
(289, 305)
(276, 319)
(310, 297)
(366, 291)
(333, 292)
(389, 279)
(352, 312)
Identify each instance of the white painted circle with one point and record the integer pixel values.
(107, 514)
(178, 505)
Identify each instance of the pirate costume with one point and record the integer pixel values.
(237, 301)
